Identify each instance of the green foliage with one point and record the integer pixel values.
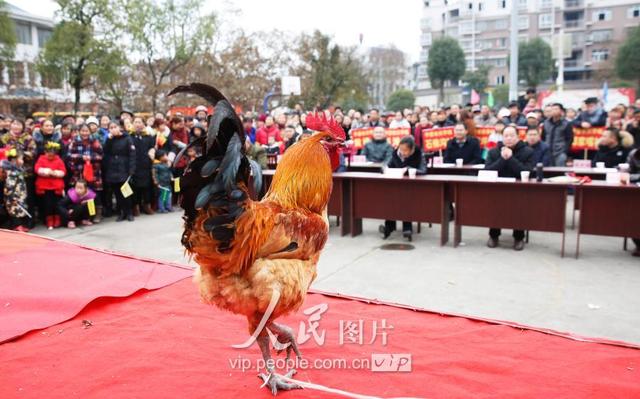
(501, 95)
(477, 80)
(329, 74)
(535, 62)
(7, 35)
(628, 57)
(446, 62)
(401, 99)
(74, 51)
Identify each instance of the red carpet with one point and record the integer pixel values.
(165, 344)
(44, 282)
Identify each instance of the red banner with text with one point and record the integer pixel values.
(361, 136)
(586, 139)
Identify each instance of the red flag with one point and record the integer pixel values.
(475, 97)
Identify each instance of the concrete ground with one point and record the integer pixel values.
(596, 295)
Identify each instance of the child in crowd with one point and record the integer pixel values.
(15, 191)
(74, 208)
(162, 176)
(50, 172)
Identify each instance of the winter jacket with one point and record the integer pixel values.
(558, 135)
(46, 183)
(610, 156)
(521, 160)
(378, 151)
(120, 159)
(519, 120)
(263, 134)
(26, 146)
(488, 121)
(143, 143)
(179, 140)
(42, 140)
(161, 174)
(597, 118)
(77, 150)
(542, 153)
(469, 151)
(415, 160)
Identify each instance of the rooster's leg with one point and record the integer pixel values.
(273, 380)
(285, 336)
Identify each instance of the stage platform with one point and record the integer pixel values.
(83, 323)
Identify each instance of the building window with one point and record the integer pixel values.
(454, 13)
(545, 3)
(600, 55)
(502, 24)
(479, 6)
(471, 6)
(523, 22)
(599, 36)
(503, 3)
(545, 21)
(522, 3)
(466, 28)
(23, 33)
(633, 12)
(602, 15)
(43, 36)
(500, 79)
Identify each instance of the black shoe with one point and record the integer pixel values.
(408, 235)
(383, 230)
(492, 243)
(518, 245)
(120, 218)
(130, 217)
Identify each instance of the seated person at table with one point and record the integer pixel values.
(613, 147)
(408, 155)
(463, 146)
(509, 158)
(540, 148)
(378, 149)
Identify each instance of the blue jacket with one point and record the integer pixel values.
(542, 153)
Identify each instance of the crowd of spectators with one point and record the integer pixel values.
(77, 171)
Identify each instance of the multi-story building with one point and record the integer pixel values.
(387, 70)
(22, 91)
(592, 32)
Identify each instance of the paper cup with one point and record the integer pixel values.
(600, 165)
(459, 162)
(412, 173)
(524, 175)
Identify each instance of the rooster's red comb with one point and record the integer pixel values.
(319, 122)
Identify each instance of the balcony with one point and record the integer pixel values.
(574, 24)
(573, 4)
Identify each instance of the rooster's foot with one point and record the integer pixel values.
(285, 337)
(276, 383)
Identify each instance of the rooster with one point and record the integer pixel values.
(250, 252)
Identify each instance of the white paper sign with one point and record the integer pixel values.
(488, 175)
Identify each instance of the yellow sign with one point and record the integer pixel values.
(91, 206)
(176, 185)
(126, 190)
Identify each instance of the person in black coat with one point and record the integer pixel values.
(408, 155)
(463, 146)
(509, 158)
(613, 148)
(120, 166)
(142, 185)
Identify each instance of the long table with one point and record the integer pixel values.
(538, 206)
(608, 210)
(522, 206)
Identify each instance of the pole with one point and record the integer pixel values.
(560, 78)
(473, 37)
(513, 64)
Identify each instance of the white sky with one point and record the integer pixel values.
(381, 22)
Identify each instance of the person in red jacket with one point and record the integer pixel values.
(50, 172)
(268, 130)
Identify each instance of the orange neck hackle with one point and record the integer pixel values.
(303, 178)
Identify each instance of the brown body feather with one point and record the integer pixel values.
(260, 258)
